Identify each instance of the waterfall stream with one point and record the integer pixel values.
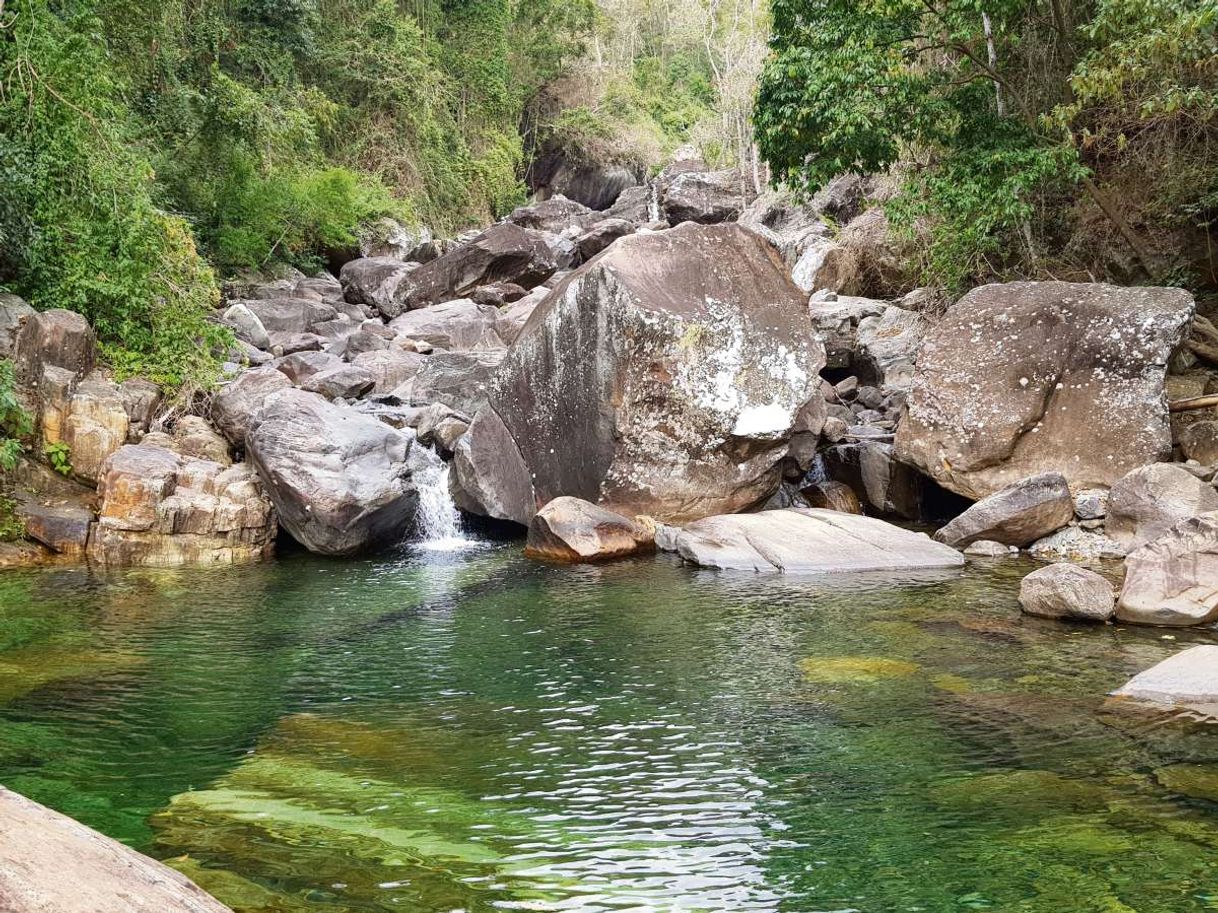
(438, 520)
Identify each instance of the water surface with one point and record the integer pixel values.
(472, 731)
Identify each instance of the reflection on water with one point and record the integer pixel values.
(471, 731)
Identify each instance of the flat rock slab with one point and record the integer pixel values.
(1188, 680)
(809, 541)
(52, 864)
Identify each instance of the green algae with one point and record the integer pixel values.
(855, 670)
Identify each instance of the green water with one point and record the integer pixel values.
(444, 732)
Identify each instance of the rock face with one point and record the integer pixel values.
(160, 509)
(236, 402)
(1187, 680)
(52, 864)
(1020, 514)
(806, 541)
(569, 529)
(888, 347)
(13, 312)
(97, 424)
(1031, 377)
(1147, 502)
(663, 378)
(340, 481)
(55, 338)
(1067, 591)
(1174, 579)
(705, 196)
(503, 253)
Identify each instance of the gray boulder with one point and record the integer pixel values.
(238, 400)
(707, 197)
(374, 281)
(887, 347)
(457, 326)
(1186, 681)
(13, 312)
(809, 541)
(837, 319)
(1173, 580)
(459, 380)
(342, 381)
(246, 325)
(340, 481)
(390, 368)
(287, 318)
(1018, 515)
(489, 474)
(1145, 503)
(1067, 591)
(1031, 377)
(55, 339)
(555, 214)
(600, 235)
(663, 378)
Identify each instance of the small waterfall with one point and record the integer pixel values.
(653, 205)
(438, 521)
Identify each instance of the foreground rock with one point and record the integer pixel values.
(1031, 377)
(1174, 579)
(664, 378)
(162, 509)
(1147, 502)
(1067, 591)
(1188, 680)
(52, 864)
(340, 481)
(1018, 515)
(808, 541)
(569, 529)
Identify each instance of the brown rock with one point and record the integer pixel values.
(1032, 377)
(55, 338)
(831, 495)
(1199, 441)
(570, 529)
(97, 425)
(1018, 515)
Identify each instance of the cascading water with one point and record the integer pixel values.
(438, 520)
(653, 205)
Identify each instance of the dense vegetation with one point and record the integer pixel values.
(1066, 137)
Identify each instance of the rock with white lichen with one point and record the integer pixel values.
(666, 377)
(1031, 377)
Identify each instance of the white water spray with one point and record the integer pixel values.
(438, 520)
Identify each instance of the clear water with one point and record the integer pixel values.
(440, 732)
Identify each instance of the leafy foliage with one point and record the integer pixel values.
(1015, 123)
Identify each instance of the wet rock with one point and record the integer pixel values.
(1199, 441)
(503, 253)
(1076, 544)
(52, 864)
(340, 481)
(1173, 580)
(1145, 503)
(1007, 378)
(831, 495)
(706, 197)
(1188, 681)
(570, 529)
(809, 542)
(663, 378)
(13, 312)
(54, 338)
(160, 509)
(238, 400)
(374, 281)
(458, 326)
(1018, 515)
(1067, 591)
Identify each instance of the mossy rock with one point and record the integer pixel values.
(855, 670)
(1197, 781)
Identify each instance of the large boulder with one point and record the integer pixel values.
(54, 338)
(237, 401)
(503, 253)
(457, 325)
(374, 281)
(162, 509)
(459, 380)
(285, 319)
(340, 481)
(555, 214)
(789, 225)
(489, 475)
(1145, 503)
(392, 240)
(887, 347)
(1186, 681)
(1067, 591)
(52, 864)
(97, 424)
(13, 313)
(1030, 377)
(664, 378)
(570, 529)
(1018, 515)
(1174, 579)
(809, 541)
(707, 197)
(837, 319)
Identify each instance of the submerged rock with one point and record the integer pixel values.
(52, 864)
(1067, 591)
(1018, 515)
(1032, 377)
(570, 529)
(986, 548)
(1174, 579)
(1076, 544)
(809, 542)
(340, 481)
(664, 378)
(1188, 680)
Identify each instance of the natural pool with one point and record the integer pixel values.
(473, 731)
